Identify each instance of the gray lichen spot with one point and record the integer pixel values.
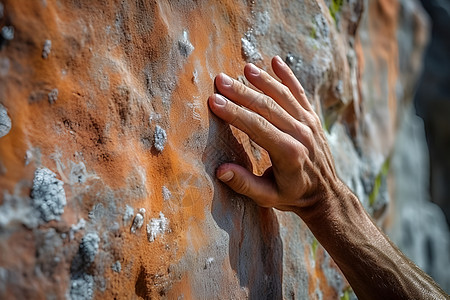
(157, 226)
(128, 215)
(48, 195)
(138, 220)
(5, 122)
(47, 48)
(82, 287)
(184, 45)
(249, 50)
(53, 96)
(89, 247)
(8, 33)
(116, 267)
(160, 138)
(166, 193)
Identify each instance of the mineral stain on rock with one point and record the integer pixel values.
(48, 195)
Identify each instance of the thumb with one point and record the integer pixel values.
(242, 181)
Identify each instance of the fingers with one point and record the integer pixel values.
(242, 181)
(274, 89)
(255, 101)
(288, 78)
(262, 132)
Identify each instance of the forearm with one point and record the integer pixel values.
(374, 267)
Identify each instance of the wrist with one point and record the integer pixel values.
(331, 208)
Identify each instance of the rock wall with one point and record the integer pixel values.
(108, 150)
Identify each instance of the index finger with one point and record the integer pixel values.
(278, 144)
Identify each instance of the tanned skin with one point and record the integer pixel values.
(303, 179)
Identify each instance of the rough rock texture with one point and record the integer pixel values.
(111, 97)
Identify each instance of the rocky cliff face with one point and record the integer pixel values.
(108, 150)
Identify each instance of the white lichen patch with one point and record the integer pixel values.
(166, 193)
(53, 96)
(82, 287)
(184, 45)
(195, 78)
(138, 220)
(128, 215)
(5, 122)
(76, 227)
(154, 117)
(160, 138)
(116, 267)
(46, 49)
(48, 195)
(157, 226)
(249, 49)
(7, 32)
(195, 106)
(89, 247)
(209, 262)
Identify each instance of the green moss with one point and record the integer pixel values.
(346, 295)
(314, 246)
(335, 8)
(378, 180)
(313, 33)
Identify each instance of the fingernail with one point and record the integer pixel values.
(227, 176)
(220, 100)
(280, 61)
(226, 80)
(254, 70)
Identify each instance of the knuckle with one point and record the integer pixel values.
(286, 93)
(240, 88)
(262, 123)
(270, 104)
(296, 156)
(241, 186)
(301, 90)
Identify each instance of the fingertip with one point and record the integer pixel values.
(223, 80)
(224, 173)
(226, 176)
(252, 70)
(276, 60)
(217, 101)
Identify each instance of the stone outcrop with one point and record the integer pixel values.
(103, 116)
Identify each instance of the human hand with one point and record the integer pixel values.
(282, 121)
